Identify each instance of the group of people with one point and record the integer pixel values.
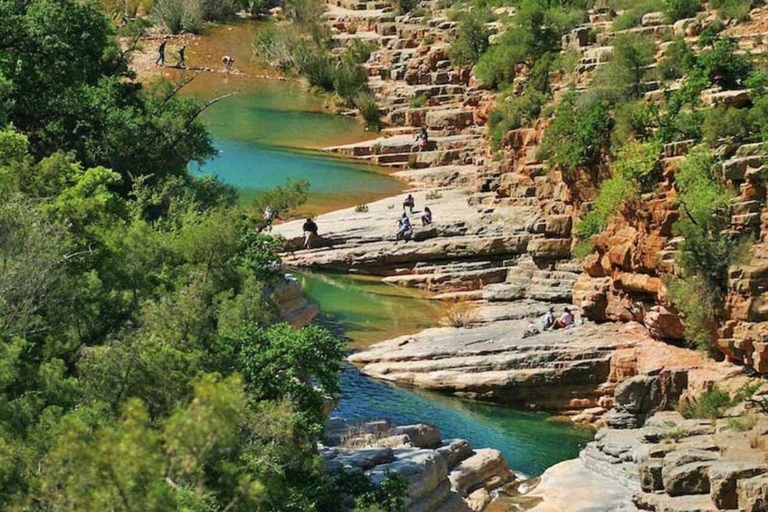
(548, 322)
(404, 227)
(226, 60)
(161, 54)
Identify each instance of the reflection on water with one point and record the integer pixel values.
(367, 310)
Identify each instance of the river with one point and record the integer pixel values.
(270, 131)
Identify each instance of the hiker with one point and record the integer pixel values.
(269, 217)
(426, 219)
(409, 203)
(565, 321)
(422, 138)
(161, 53)
(403, 228)
(310, 233)
(228, 61)
(182, 60)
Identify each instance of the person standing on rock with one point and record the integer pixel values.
(161, 53)
(404, 228)
(182, 59)
(409, 203)
(310, 233)
(228, 62)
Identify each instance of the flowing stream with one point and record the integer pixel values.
(270, 131)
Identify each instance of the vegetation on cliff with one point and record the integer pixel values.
(142, 362)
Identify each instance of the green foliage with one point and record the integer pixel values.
(632, 16)
(723, 122)
(281, 362)
(175, 16)
(83, 102)
(418, 101)
(678, 58)
(536, 31)
(141, 366)
(706, 252)
(512, 112)
(732, 9)
(361, 208)
(579, 135)
(632, 171)
(369, 111)
(304, 11)
(622, 77)
(471, 40)
(743, 424)
(283, 199)
(723, 66)
(679, 9)
(710, 405)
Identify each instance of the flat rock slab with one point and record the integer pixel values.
(367, 240)
(494, 361)
(570, 486)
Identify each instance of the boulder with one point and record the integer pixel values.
(686, 471)
(724, 477)
(485, 469)
(753, 494)
(421, 435)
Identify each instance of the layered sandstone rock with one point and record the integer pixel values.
(442, 475)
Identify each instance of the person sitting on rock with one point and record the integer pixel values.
(426, 219)
(547, 320)
(422, 139)
(403, 228)
(409, 203)
(310, 232)
(565, 321)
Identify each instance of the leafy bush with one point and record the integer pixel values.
(706, 251)
(512, 112)
(709, 406)
(361, 208)
(536, 31)
(622, 77)
(369, 111)
(678, 58)
(724, 122)
(176, 16)
(632, 16)
(732, 9)
(679, 9)
(635, 121)
(304, 11)
(723, 66)
(405, 6)
(471, 41)
(417, 101)
(579, 135)
(632, 171)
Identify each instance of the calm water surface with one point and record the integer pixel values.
(368, 311)
(267, 131)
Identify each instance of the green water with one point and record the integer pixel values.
(270, 130)
(366, 311)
